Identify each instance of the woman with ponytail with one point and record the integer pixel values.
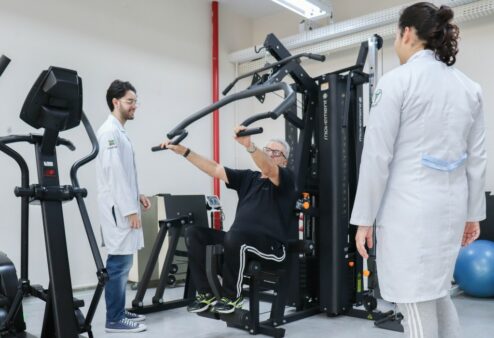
(422, 172)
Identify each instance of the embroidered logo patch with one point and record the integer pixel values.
(112, 144)
(376, 98)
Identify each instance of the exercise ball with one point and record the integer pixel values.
(474, 270)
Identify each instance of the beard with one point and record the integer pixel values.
(127, 114)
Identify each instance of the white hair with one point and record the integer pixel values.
(284, 144)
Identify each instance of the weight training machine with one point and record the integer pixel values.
(326, 132)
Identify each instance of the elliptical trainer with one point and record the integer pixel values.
(55, 104)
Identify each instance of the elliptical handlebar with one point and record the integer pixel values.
(20, 161)
(31, 138)
(4, 62)
(177, 134)
(65, 142)
(92, 155)
(17, 138)
(18, 158)
(102, 275)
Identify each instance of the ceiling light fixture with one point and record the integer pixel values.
(310, 9)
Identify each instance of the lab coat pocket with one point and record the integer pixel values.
(121, 221)
(113, 214)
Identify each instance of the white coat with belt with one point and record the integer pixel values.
(422, 175)
(118, 191)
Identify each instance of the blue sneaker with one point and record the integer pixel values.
(124, 325)
(134, 316)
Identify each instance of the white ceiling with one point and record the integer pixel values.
(252, 9)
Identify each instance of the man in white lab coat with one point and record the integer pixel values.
(422, 173)
(119, 204)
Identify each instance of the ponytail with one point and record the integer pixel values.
(433, 26)
(445, 37)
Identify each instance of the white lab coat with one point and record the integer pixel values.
(118, 191)
(422, 175)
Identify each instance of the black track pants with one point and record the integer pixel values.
(238, 247)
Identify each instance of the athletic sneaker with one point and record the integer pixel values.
(202, 302)
(124, 325)
(226, 305)
(134, 316)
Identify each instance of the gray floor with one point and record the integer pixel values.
(476, 315)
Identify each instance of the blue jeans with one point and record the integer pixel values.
(118, 267)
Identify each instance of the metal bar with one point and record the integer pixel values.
(80, 200)
(373, 72)
(257, 90)
(175, 232)
(24, 208)
(162, 306)
(94, 303)
(273, 65)
(60, 306)
(148, 271)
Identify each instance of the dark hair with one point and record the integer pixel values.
(117, 90)
(433, 26)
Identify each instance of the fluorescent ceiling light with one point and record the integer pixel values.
(309, 9)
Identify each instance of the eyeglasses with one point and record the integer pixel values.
(130, 102)
(273, 152)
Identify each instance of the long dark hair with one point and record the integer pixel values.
(434, 27)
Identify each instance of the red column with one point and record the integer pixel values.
(216, 117)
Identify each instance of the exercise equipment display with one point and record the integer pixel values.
(55, 104)
(474, 269)
(216, 214)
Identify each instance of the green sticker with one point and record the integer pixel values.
(377, 97)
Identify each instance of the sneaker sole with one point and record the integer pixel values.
(137, 319)
(138, 329)
(225, 312)
(202, 309)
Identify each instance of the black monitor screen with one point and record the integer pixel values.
(55, 100)
(182, 205)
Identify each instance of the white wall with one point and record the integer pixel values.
(475, 60)
(235, 32)
(164, 52)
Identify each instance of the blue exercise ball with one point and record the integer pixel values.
(474, 270)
